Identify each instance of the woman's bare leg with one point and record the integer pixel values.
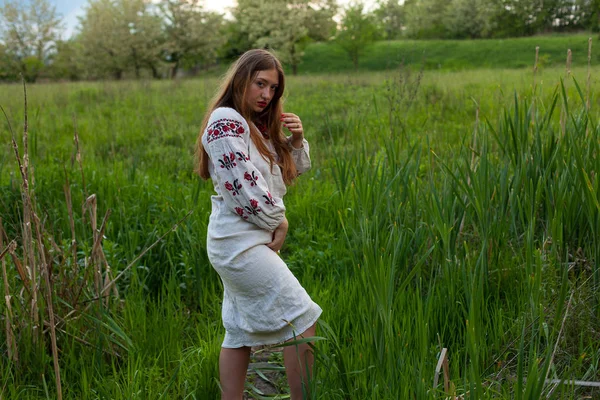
(299, 360)
(233, 364)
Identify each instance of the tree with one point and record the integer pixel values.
(390, 17)
(193, 36)
(120, 35)
(285, 26)
(358, 29)
(425, 18)
(469, 19)
(29, 30)
(9, 67)
(65, 63)
(319, 19)
(102, 36)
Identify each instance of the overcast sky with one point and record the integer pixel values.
(71, 9)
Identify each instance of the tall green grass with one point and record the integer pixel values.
(464, 217)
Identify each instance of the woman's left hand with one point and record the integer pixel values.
(294, 125)
(279, 235)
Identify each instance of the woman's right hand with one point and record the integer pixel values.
(279, 235)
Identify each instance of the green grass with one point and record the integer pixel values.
(451, 55)
(419, 227)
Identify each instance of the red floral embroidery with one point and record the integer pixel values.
(251, 178)
(240, 211)
(254, 209)
(242, 157)
(228, 161)
(235, 188)
(224, 128)
(269, 199)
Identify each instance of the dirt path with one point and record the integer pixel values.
(266, 375)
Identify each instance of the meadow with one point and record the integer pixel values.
(453, 55)
(454, 210)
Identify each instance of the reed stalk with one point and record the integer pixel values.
(535, 65)
(11, 344)
(589, 75)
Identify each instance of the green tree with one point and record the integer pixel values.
(102, 35)
(193, 35)
(358, 30)
(145, 39)
(587, 14)
(390, 17)
(425, 18)
(9, 67)
(65, 63)
(29, 30)
(120, 35)
(469, 19)
(285, 26)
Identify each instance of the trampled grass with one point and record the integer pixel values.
(464, 217)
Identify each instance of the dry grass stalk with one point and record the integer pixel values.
(535, 69)
(30, 216)
(73, 247)
(97, 259)
(28, 246)
(535, 65)
(569, 61)
(77, 157)
(562, 325)
(34, 267)
(442, 364)
(29, 273)
(45, 272)
(90, 205)
(11, 344)
(20, 270)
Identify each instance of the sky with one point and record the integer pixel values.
(71, 9)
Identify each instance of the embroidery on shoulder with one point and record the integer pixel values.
(224, 127)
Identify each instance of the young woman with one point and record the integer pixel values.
(243, 149)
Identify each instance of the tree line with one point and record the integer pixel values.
(163, 39)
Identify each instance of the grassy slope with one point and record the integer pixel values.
(451, 54)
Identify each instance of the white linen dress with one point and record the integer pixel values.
(263, 302)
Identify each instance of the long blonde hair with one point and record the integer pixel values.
(232, 94)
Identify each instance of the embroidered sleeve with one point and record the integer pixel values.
(242, 186)
(300, 156)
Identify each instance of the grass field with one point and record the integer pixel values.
(453, 55)
(452, 210)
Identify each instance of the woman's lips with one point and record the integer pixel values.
(262, 104)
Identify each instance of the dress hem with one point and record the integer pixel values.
(288, 336)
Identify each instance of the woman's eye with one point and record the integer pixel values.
(260, 84)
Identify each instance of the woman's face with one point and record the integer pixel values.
(262, 89)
